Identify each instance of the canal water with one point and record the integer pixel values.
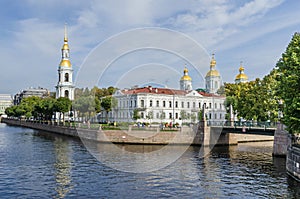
(35, 164)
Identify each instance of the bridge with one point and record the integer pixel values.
(263, 128)
(250, 131)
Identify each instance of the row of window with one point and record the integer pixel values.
(169, 104)
(164, 115)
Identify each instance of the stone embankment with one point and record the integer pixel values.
(196, 135)
(293, 162)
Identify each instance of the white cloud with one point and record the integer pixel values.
(219, 25)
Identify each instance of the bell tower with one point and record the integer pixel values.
(65, 86)
(186, 80)
(213, 78)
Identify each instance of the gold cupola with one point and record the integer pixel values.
(241, 77)
(213, 71)
(65, 50)
(185, 76)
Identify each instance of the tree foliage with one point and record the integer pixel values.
(288, 88)
(254, 100)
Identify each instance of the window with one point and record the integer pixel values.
(164, 103)
(220, 106)
(170, 104)
(209, 105)
(150, 103)
(215, 105)
(176, 104)
(142, 103)
(67, 77)
(182, 104)
(157, 115)
(188, 104)
(157, 103)
(142, 115)
(194, 105)
(67, 93)
(220, 116)
(199, 104)
(176, 115)
(170, 115)
(210, 116)
(134, 103)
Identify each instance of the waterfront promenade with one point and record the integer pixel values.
(192, 135)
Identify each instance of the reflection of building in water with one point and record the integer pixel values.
(62, 167)
(158, 105)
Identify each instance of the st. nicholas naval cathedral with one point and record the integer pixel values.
(65, 86)
(157, 104)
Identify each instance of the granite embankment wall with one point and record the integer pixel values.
(204, 135)
(282, 141)
(293, 162)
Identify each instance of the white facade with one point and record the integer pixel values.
(161, 105)
(65, 86)
(5, 102)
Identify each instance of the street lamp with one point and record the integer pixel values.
(280, 107)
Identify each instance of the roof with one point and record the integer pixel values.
(165, 91)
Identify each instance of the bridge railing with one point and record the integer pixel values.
(248, 124)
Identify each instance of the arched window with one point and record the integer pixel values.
(67, 77)
(67, 93)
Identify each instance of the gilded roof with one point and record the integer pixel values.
(65, 63)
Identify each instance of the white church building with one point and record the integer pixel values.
(164, 105)
(65, 86)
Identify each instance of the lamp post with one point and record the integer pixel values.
(280, 107)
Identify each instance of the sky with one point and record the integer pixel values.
(124, 43)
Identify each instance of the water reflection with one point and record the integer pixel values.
(63, 154)
(41, 165)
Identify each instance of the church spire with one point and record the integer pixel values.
(66, 36)
(213, 62)
(65, 51)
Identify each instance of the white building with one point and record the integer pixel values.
(5, 102)
(65, 86)
(163, 105)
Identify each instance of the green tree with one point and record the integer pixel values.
(107, 103)
(62, 105)
(288, 88)
(136, 114)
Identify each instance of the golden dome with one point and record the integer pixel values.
(65, 63)
(241, 69)
(186, 77)
(213, 73)
(65, 47)
(213, 62)
(241, 76)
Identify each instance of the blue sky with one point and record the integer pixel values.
(31, 35)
